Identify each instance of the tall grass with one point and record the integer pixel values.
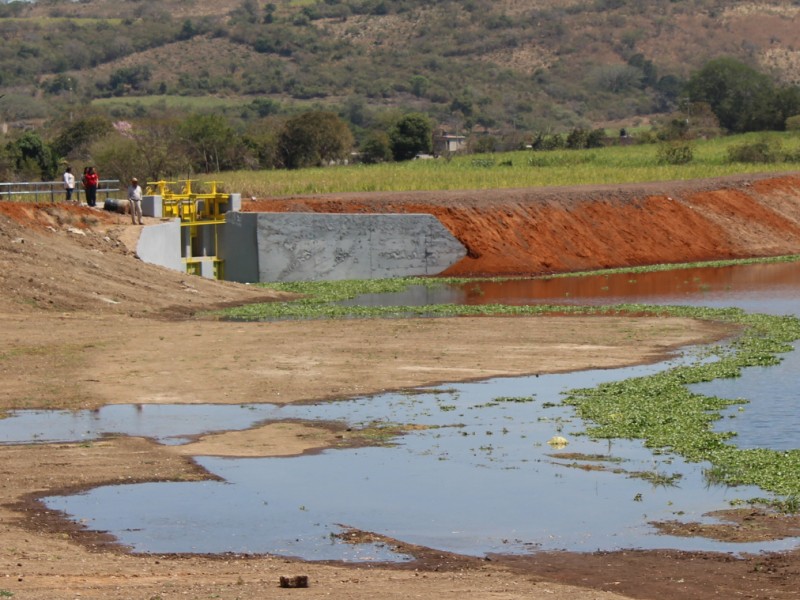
(612, 165)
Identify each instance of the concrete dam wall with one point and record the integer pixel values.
(260, 247)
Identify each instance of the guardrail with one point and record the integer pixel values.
(52, 191)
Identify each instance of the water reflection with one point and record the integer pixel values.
(766, 288)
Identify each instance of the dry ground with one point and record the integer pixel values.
(84, 323)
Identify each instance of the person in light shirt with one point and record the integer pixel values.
(135, 200)
(69, 183)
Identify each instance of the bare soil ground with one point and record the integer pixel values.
(84, 323)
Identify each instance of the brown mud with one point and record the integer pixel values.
(84, 323)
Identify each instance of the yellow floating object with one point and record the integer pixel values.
(557, 441)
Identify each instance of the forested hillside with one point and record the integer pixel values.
(508, 66)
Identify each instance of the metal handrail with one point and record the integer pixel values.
(25, 191)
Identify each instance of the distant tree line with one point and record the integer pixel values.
(178, 146)
(724, 95)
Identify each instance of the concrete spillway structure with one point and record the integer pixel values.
(259, 247)
(272, 247)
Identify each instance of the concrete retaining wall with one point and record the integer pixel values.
(161, 245)
(261, 247)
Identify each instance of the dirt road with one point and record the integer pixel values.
(84, 323)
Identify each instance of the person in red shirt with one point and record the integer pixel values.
(90, 181)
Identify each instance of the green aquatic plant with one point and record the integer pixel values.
(519, 399)
(661, 410)
(317, 299)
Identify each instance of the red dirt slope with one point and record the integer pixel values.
(540, 230)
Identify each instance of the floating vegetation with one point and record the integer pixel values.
(661, 410)
(586, 457)
(427, 391)
(519, 399)
(657, 478)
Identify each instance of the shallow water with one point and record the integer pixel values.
(482, 479)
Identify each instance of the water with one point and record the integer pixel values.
(771, 419)
(765, 288)
(480, 479)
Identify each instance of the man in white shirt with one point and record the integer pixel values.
(135, 200)
(69, 183)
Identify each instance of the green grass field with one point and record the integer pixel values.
(612, 165)
(193, 103)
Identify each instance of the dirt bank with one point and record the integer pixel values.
(532, 231)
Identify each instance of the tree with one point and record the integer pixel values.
(377, 148)
(150, 150)
(263, 141)
(313, 139)
(420, 85)
(742, 98)
(211, 142)
(127, 79)
(411, 135)
(31, 157)
(76, 136)
(616, 78)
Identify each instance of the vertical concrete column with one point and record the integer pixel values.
(152, 206)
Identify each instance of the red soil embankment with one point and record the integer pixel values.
(540, 230)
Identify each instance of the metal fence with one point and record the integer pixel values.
(53, 191)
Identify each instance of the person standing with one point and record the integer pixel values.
(90, 181)
(135, 200)
(69, 183)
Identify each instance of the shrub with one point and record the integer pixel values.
(762, 151)
(675, 153)
(576, 139)
(377, 148)
(792, 156)
(412, 134)
(793, 123)
(542, 141)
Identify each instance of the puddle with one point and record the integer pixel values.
(481, 479)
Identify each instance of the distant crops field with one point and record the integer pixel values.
(612, 165)
(194, 103)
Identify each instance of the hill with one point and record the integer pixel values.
(502, 64)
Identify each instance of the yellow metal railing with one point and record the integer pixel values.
(195, 210)
(190, 207)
